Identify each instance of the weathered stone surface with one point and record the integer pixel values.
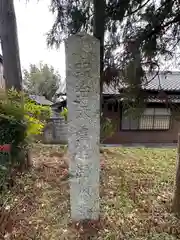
(83, 101)
(56, 131)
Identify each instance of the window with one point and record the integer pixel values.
(151, 119)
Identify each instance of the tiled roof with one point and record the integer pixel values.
(152, 99)
(165, 81)
(169, 81)
(41, 100)
(170, 99)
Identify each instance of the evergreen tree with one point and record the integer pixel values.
(135, 34)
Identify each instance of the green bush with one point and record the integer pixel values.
(36, 116)
(107, 127)
(20, 120)
(64, 113)
(29, 113)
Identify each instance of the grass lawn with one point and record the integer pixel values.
(136, 196)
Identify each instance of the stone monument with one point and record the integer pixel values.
(83, 102)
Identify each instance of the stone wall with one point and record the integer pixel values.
(55, 131)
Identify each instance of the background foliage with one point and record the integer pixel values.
(41, 80)
(136, 36)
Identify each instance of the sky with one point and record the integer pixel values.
(34, 20)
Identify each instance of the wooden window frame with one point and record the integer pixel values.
(147, 129)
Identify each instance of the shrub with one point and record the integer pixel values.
(36, 116)
(107, 127)
(20, 119)
(64, 113)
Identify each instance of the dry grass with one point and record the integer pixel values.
(136, 196)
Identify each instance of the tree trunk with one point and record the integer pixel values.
(99, 28)
(98, 32)
(176, 200)
(11, 60)
(10, 46)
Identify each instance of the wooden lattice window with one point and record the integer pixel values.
(151, 119)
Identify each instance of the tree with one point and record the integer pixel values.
(101, 18)
(10, 46)
(11, 66)
(140, 35)
(41, 80)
